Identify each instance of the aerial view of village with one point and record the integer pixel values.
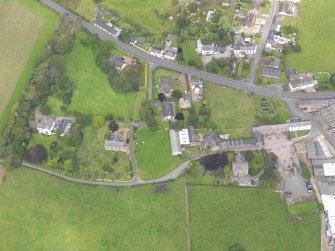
(167, 125)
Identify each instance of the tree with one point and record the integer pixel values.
(176, 94)
(109, 117)
(182, 21)
(113, 126)
(192, 62)
(249, 155)
(180, 50)
(193, 7)
(236, 247)
(179, 116)
(37, 154)
(214, 161)
(161, 97)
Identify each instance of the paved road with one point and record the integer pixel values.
(262, 43)
(241, 85)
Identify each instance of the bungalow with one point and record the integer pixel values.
(156, 51)
(271, 67)
(117, 62)
(185, 101)
(170, 54)
(197, 90)
(137, 41)
(174, 141)
(65, 127)
(168, 111)
(287, 9)
(240, 166)
(302, 81)
(165, 86)
(107, 27)
(115, 143)
(46, 125)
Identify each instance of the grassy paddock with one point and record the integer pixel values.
(234, 112)
(59, 215)
(93, 93)
(256, 219)
(23, 41)
(316, 33)
(154, 153)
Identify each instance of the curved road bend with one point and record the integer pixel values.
(174, 174)
(244, 86)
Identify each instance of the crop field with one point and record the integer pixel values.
(316, 33)
(21, 43)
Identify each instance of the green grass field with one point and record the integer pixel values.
(235, 112)
(154, 153)
(148, 14)
(40, 212)
(25, 27)
(93, 93)
(256, 219)
(60, 215)
(189, 53)
(316, 33)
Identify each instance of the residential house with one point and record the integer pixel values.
(194, 139)
(46, 125)
(243, 48)
(115, 143)
(302, 81)
(256, 6)
(101, 11)
(168, 111)
(165, 86)
(174, 141)
(240, 166)
(137, 41)
(117, 62)
(287, 9)
(171, 53)
(156, 51)
(65, 127)
(185, 101)
(248, 23)
(108, 27)
(197, 89)
(271, 67)
(213, 141)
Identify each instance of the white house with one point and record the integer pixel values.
(209, 15)
(155, 51)
(46, 125)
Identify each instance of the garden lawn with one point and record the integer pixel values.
(316, 33)
(92, 157)
(257, 163)
(189, 53)
(25, 28)
(256, 219)
(44, 213)
(93, 93)
(234, 112)
(145, 13)
(153, 152)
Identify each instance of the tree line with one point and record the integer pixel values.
(49, 72)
